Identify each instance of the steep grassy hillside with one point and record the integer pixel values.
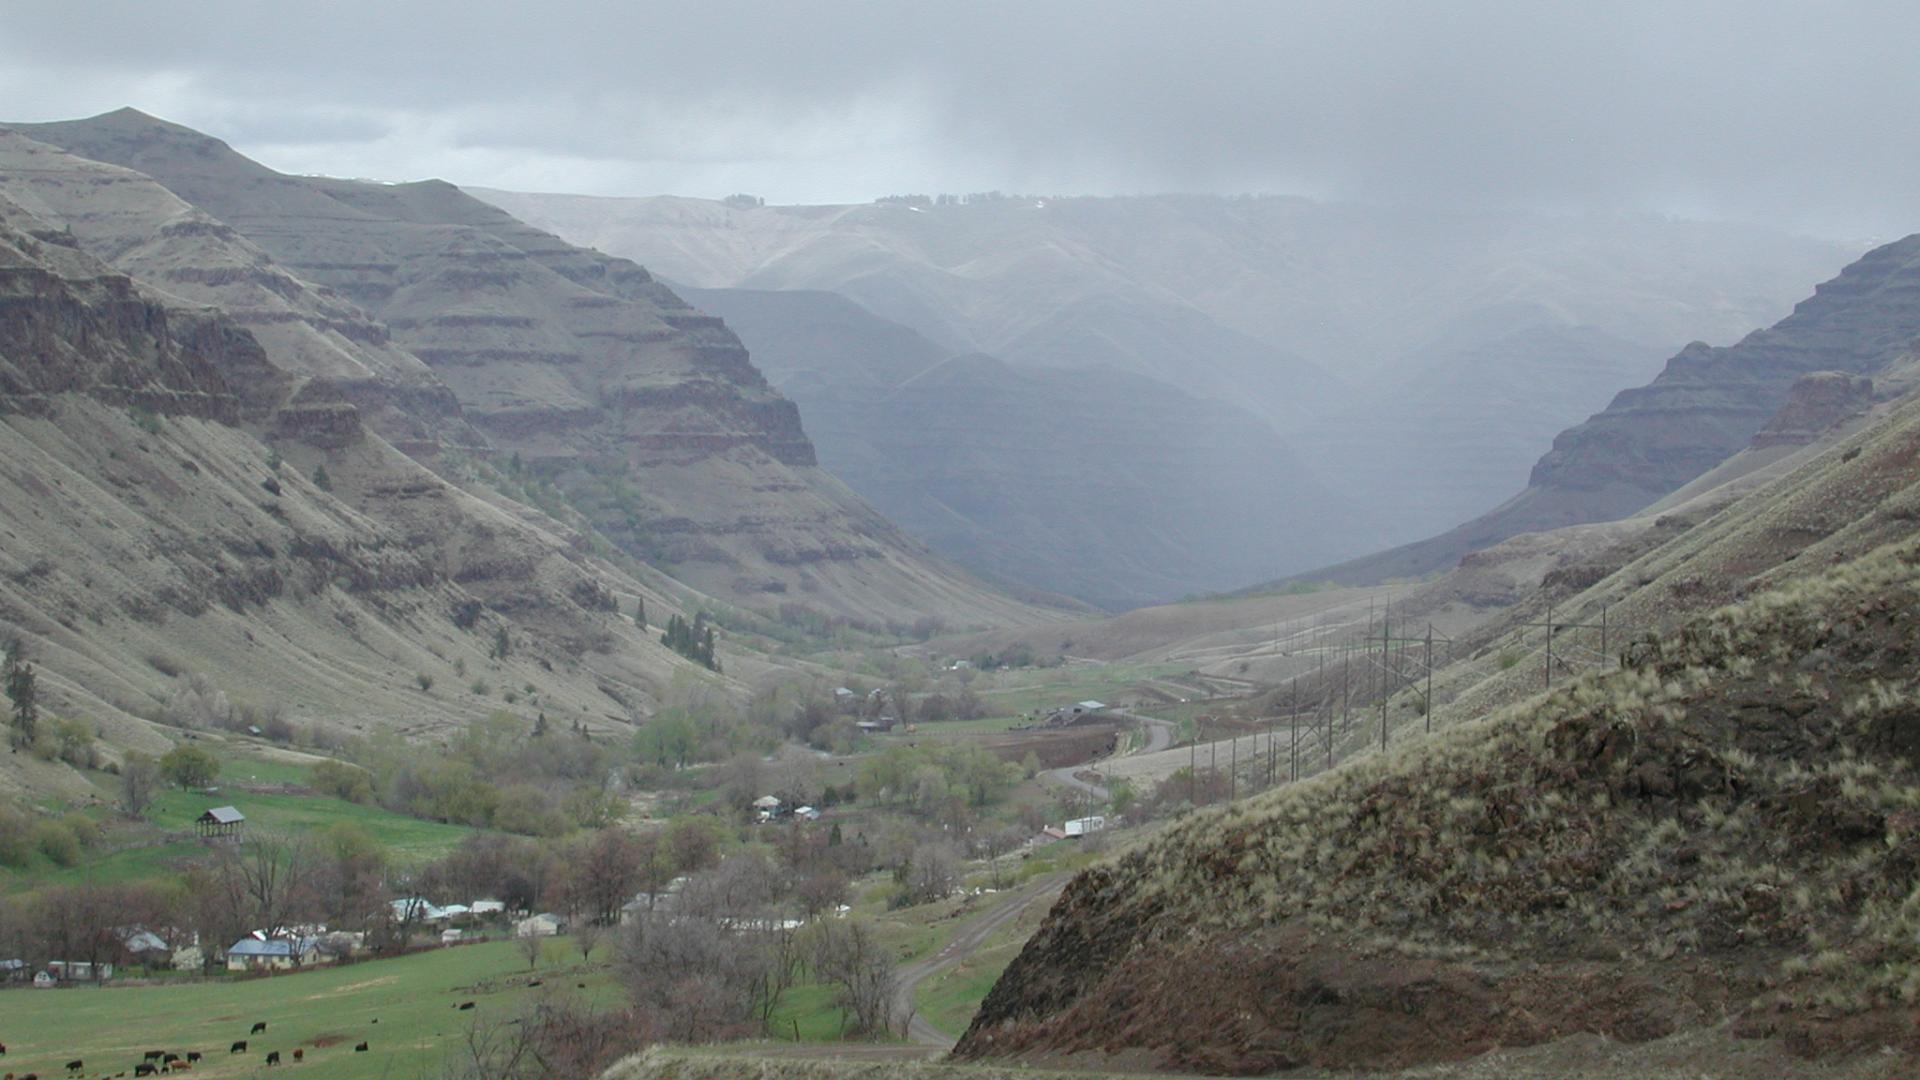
(647, 414)
(1721, 827)
(1724, 828)
(152, 534)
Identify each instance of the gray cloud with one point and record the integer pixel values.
(1798, 114)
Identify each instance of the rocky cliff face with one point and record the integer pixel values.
(1710, 401)
(596, 378)
(1815, 405)
(319, 341)
(1708, 404)
(151, 534)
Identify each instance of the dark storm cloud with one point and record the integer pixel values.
(1795, 113)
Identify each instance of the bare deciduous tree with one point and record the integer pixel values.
(850, 956)
(139, 779)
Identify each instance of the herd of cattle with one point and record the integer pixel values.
(157, 1062)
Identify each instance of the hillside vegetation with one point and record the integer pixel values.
(1727, 827)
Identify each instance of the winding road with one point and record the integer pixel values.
(970, 937)
(1159, 738)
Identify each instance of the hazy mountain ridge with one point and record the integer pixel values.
(1104, 485)
(649, 414)
(1705, 406)
(1334, 321)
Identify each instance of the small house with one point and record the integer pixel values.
(144, 946)
(451, 936)
(545, 924)
(44, 980)
(416, 909)
(806, 813)
(767, 807)
(220, 823)
(483, 908)
(13, 970)
(79, 970)
(274, 954)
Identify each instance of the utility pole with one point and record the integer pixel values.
(1233, 770)
(1553, 626)
(1429, 703)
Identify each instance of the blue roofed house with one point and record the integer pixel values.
(272, 954)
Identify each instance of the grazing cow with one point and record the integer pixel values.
(360, 1048)
(238, 1048)
(153, 1055)
(299, 1054)
(76, 1065)
(193, 1055)
(258, 1027)
(464, 1006)
(535, 982)
(3, 1053)
(145, 1068)
(180, 1066)
(273, 1057)
(168, 1059)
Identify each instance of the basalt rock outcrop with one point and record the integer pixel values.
(581, 370)
(152, 534)
(1707, 405)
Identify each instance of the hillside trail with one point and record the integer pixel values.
(965, 942)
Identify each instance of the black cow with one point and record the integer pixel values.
(360, 1048)
(76, 1065)
(273, 1057)
(145, 1068)
(168, 1059)
(193, 1055)
(153, 1055)
(464, 1006)
(238, 1048)
(258, 1027)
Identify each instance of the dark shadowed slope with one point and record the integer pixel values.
(1107, 486)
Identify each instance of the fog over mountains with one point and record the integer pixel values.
(1417, 363)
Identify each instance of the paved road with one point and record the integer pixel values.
(1159, 738)
(1003, 910)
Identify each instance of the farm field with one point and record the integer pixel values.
(134, 852)
(324, 1011)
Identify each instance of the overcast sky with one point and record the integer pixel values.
(1804, 115)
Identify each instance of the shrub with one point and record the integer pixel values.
(343, 781)
(57, 842)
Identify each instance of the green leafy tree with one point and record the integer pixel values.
(189, 767)
(23, 691)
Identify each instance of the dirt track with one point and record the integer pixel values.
(970, 937)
